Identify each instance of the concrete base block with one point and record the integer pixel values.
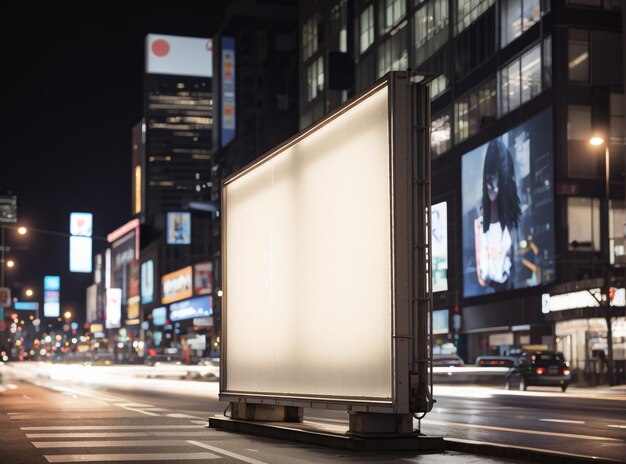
(265, 412)
(310, 434)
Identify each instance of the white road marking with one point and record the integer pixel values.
(106, 443)
(204, 422)
(564, 421)
(323, 419)
(226, 453)
(26, 397)
(129, 457)
(11, 386)
(110, 427)
(505, 429)
(147, 413)
(116, 434)
(617, 426)
(183, 416)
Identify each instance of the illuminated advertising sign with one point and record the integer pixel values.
(581, 299)
(440, 321)
(80, 254)
(159, 316)
(508, 210)
(133, 307)
(81, 224)
(228, 90)
(113, 308)
(179, 56)
(26, 306)
(203, 278)
(124, 250)
(51, 296)
(199, 306)
(147, 282)
(439, 233)
(178, 228)
(329, 214)
(92, 303)
(8, 208)
(177, 285)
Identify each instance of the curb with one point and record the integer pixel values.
(523, 453)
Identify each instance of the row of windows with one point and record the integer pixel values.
(517, 82)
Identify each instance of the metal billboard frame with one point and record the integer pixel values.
(409, 142)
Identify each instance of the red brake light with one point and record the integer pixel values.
(540, 370)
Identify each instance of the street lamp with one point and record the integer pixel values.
(597, 141)
(29, 292)
(67, 314)
(10, 263)
(22, 230)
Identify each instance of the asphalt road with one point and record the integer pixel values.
(77, 414)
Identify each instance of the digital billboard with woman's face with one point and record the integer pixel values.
(508, 210)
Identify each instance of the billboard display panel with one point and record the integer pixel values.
(81, 224)
(159, 316)
(179, 56)
(113, 308)
(51, 296)
(178, 228)
(228, 90)
(26, 306)
(80, 254)
(441, 321)
(92, 303)
(304, 209)
(508, 210)
(147, 282)
(177, 285)
(439, 234)
(199, 306)
(203, 278)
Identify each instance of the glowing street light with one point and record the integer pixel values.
(10, 263)
(596, 140)
(67, 314)
(29, 292)
(22, 230)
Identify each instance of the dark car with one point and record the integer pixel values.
(539, 368)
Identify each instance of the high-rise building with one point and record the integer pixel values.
(526, 211)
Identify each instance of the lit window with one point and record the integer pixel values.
(516, 17)
(315, 78)
(394, 12)
(440, 134)
(431, 28)
(583, 223)
(578, 55)
(475, 111)
(367, 28)
(309, 38)
(521, 80)
(392, 53)
(469, 11)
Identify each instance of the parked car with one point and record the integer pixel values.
(539, 368)
(447, 360)
(495, 361)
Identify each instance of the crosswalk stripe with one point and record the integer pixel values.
(106, 443)
(115, 434)
(226, 452)
(111, 427)
(129, 457)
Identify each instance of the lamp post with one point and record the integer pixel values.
(596, 141)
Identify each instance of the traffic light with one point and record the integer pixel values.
(611, 293)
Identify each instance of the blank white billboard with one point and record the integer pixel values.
(308, 263)
(113, 308)
(80, 254)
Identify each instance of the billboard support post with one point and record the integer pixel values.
(337, 221)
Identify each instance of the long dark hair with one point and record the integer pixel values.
(498, 160)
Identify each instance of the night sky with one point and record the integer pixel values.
(71, 93)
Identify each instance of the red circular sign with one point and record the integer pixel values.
(160, 47)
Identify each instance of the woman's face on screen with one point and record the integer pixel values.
(492, 186)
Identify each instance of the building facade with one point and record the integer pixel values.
(532, 210)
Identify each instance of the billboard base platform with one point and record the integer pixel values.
(331, 436)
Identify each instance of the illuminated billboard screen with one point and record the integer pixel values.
(228, 90)
(81, 224)
(51, 296)
(113, 308)
(147, 282)
(26, 306)
(203, 278)
(439, 234)
(178, 228)
(179, 56)
(80, 254)
(159, 316)
(177, 285)
(194, 307)
(508, 210)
